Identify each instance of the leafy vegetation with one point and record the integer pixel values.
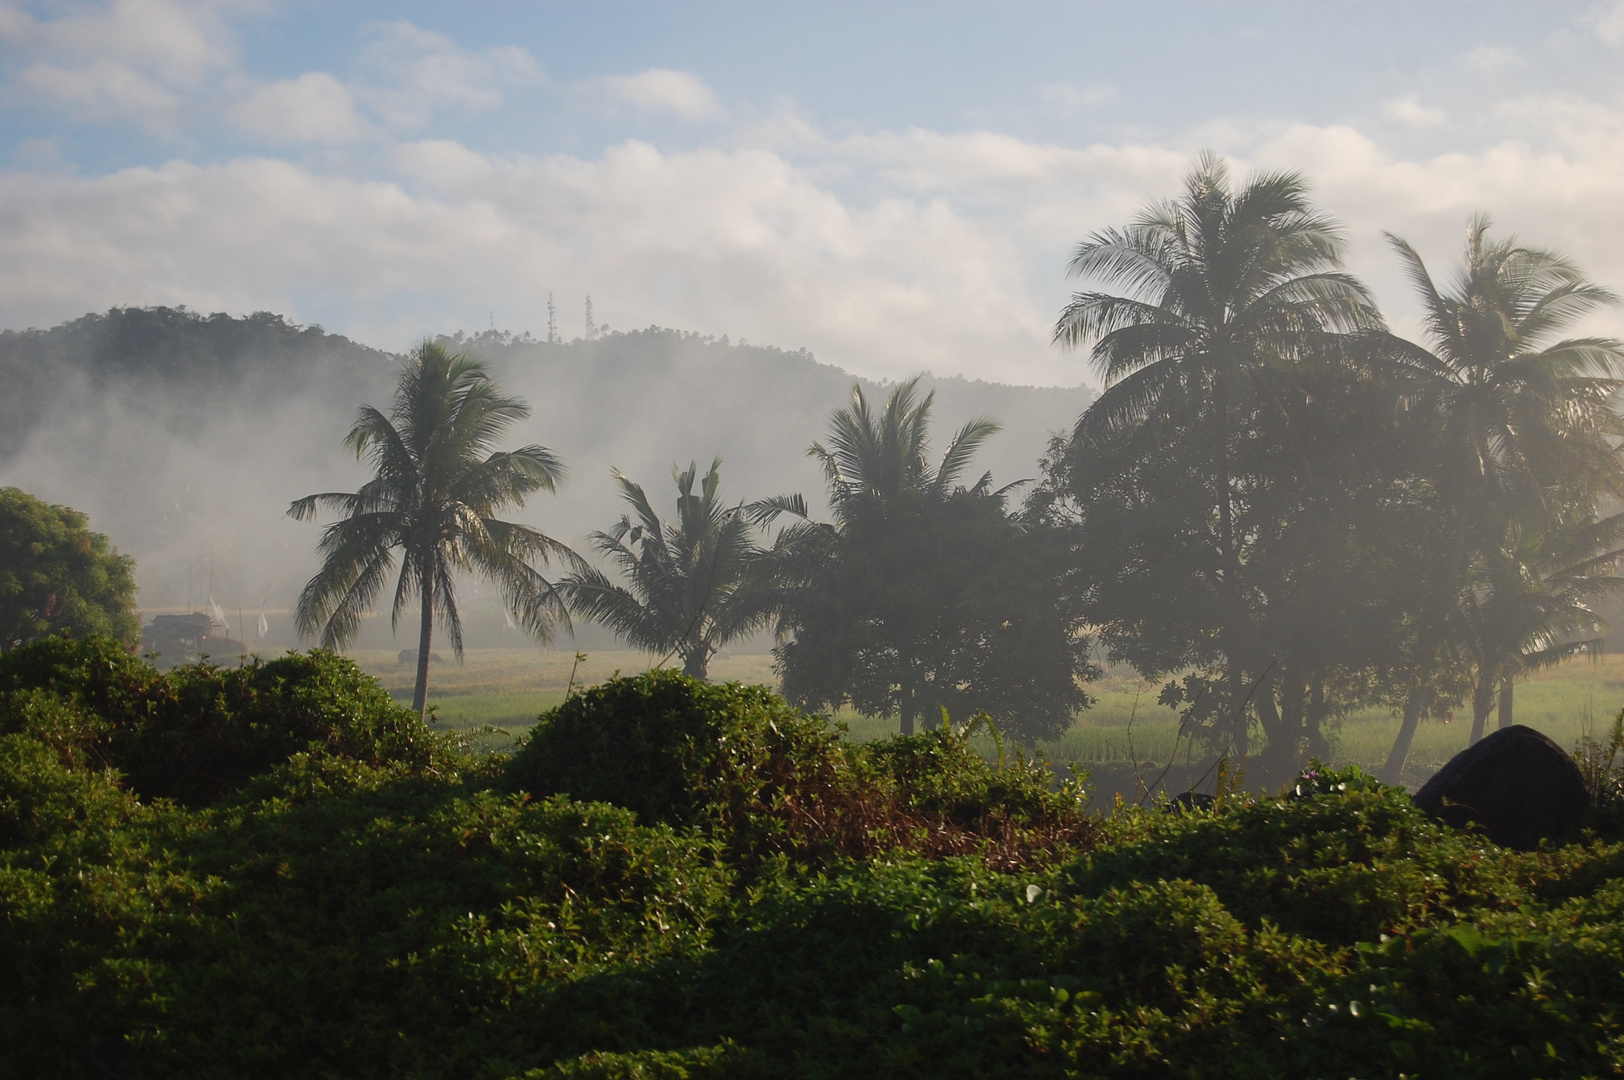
(373, 902)
(57, 576)
(923, 594)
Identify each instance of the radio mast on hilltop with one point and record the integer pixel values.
(591, 329)
(552, 321)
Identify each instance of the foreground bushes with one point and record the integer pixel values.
(198, 733)
(635, 896)
(766, 780)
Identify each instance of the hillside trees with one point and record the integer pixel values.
(693, 584)
(923, 594)
(438, 481)
(56, 575)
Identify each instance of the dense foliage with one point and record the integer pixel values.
(417, 913)
(1288, 511)
(924, 594)
(56, 575)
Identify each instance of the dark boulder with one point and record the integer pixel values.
(1516, 784)
(1188, 801)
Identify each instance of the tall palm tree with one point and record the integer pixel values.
(1521, 428)
(438, 480)
(1524, 420)
(1208, 303)
(692, 583)
(1221, 289)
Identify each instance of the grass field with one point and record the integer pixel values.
(1125, 734)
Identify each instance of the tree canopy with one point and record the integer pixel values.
(57, 576)
(924, 594)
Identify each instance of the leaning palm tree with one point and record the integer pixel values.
(438, 480)
(1525, 420)
(692, 583)
(1532, 605)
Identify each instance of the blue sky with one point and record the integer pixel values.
(894, 186)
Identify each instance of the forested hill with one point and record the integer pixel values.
(185, 436)
(192, 360)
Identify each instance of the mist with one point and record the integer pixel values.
(184, 438)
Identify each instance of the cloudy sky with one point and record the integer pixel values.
(895, 186)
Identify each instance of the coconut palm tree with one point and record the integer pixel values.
(896, 605)
(1205, 308)
(872, 458)
(1532, 606)
(1521, 434)
(1221, 290)
(692, 584)
(1523, 420)
(438, 480)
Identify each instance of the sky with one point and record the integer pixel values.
(895, 186)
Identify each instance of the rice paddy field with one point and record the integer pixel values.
(1126, 737)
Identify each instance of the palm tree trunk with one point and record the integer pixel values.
(695, 663)
(1406, 735)
(906, 708)
(1505, 703)
(1482, 700)
(425, 638)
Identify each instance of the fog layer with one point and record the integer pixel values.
(185, 438)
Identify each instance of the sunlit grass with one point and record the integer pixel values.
(1124, 733)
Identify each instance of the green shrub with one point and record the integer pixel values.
(346, 913)
(769, 780)
(199, 732)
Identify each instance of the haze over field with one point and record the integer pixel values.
(186, 438)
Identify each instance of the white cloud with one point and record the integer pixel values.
(663, 90)
(1408, 110)
(1608, 19)
(886, 253)
(133, 60)
(1489, 58)
(410, 75)
(315, 107)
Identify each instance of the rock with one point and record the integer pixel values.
(1187, 801)
(1516, 784)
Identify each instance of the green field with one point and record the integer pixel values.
(1125, 735)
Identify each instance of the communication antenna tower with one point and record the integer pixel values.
(591, 328)
(552, 321)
